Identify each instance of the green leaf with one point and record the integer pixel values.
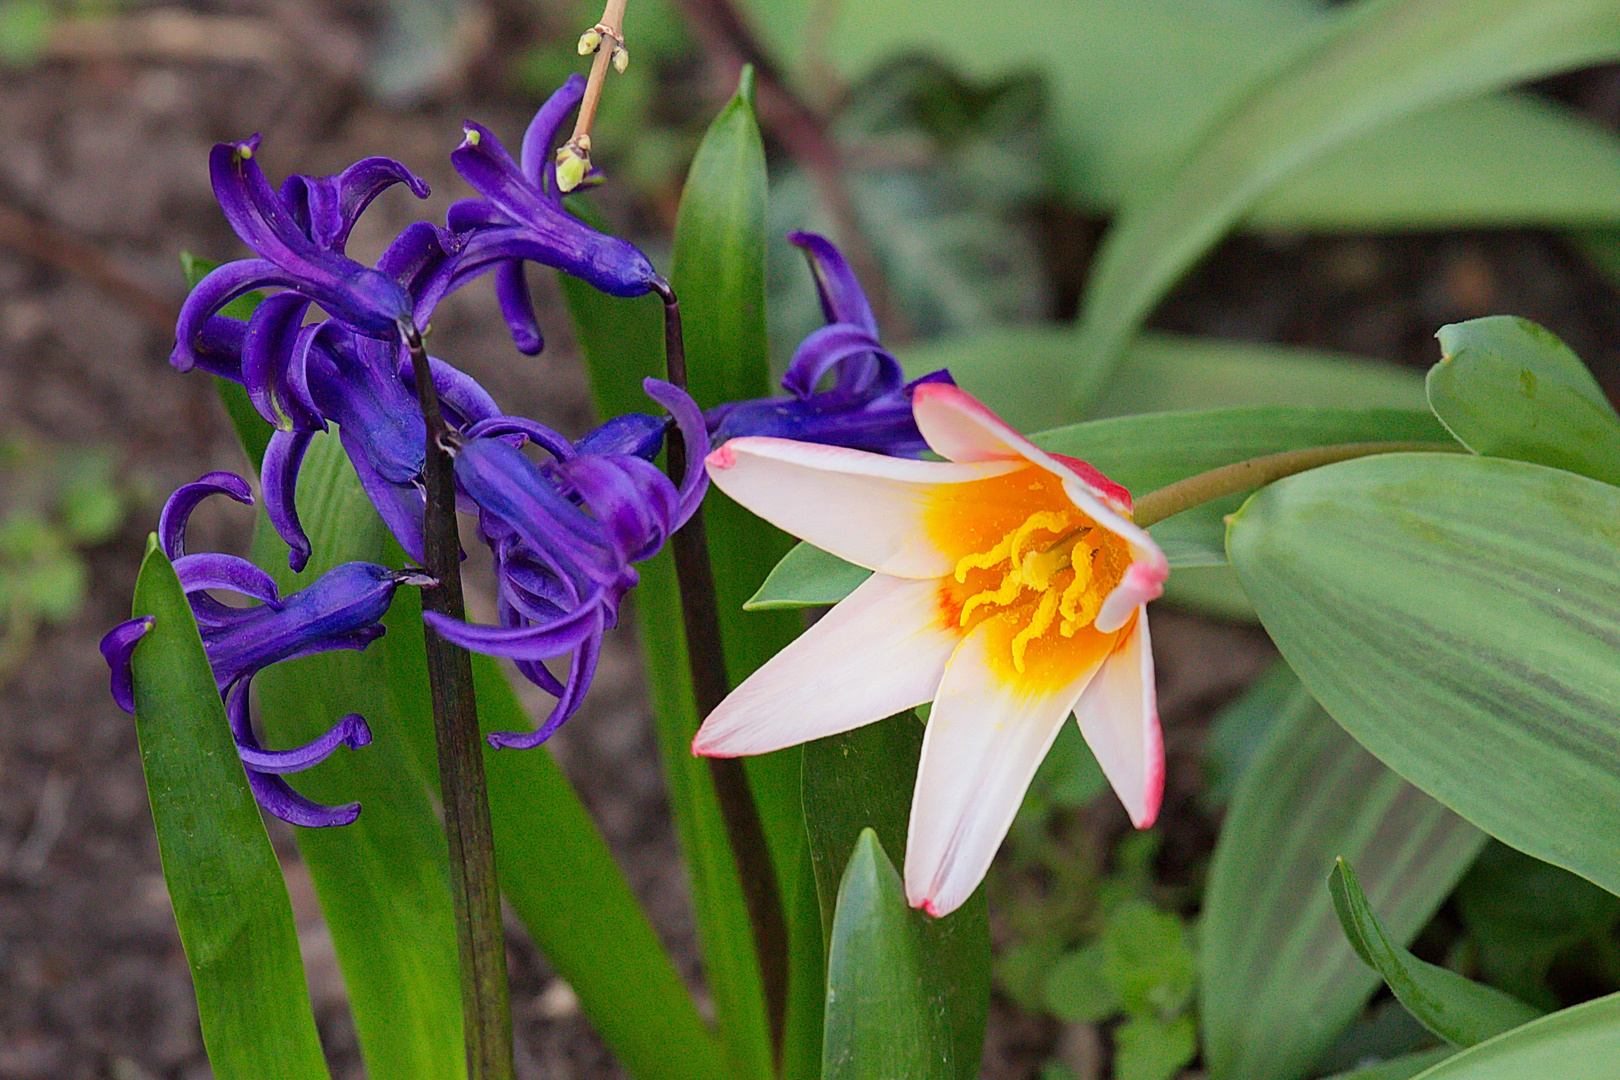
(1151, 1048)
(1457, 1009)
(1455, 614)
(1013, 370)
(1133, 83)
(1401, 1068)
(718, 270)
(863, 779)
(1385, 59)
(1148, 960)
(1076, 990)
(556, 871)
(881, 1022)
(229, 899)
(1579, 1043)
(1508, 388)
(807, 577)
(1278, 980)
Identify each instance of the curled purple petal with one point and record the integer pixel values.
(283, 456)
(327, 207)
(635, 434)
(495, 427)
(689, 421)
(581, 670)
(178, 507)
(517, 307)
(842, 298)
(537, 162)
(218, 287)
(118, 649)
(460, 394)
(351, 731)
(540, 642)
(214, 570)
(272, 364)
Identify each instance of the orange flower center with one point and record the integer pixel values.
(1035, 567)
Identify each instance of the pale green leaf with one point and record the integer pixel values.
(1278, 980)
(1461, 617)
(1506, 387)
(807, 577)
(1579, 1043)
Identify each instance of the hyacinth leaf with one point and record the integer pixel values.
(230, 901)
(1505, 387)
(251, 429)
(1159, 373)
(880, 1023)
(1382, 61)
(1578, 1043)
(1133, 83)
(556, 871)
(1145, 453)
(1403, 1067)
(862, 780)
(1455, 613)
(1278, 981)
(1457, 1009)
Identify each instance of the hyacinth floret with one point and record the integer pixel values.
(339, 610)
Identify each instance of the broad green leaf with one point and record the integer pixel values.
(1075, 988)
(807, 577)
(1237, 732)
(1149, 1048)
(1579, 1043)
(881, 1020)
(1384, 60)
(1013, 371)
(861, 780)
(1457, 1009)
(719, 273)
(556, 871)
(1401, 1068)
(225, 885)
(1505, 387)
(1278, 980)
(1133, 83)
(1521, 914)
(1459, 616)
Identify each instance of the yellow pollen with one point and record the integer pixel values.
(1038, 624)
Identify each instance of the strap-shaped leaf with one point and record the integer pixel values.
(1460, 616)
(863, 780)
(881, 1021)
(1278, 981)
(1579, 1043)
(1384, 60)
(806, 577)
(1457, 1009)
(225, 885)
(1505, 387)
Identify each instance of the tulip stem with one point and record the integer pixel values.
(485, 1011)
(1241, 476)
(700, 614)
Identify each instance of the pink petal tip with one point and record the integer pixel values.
(723, 457)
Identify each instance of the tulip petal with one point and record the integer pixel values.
(880, 651)
(1119, 716)
(985, 740)
(867, 509)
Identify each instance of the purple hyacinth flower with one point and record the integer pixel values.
(564, 535)
(868, 405)
(340, 610)
(299, 235)
(520, 218)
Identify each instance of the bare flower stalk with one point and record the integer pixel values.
(1172, 499)
(485, 1008)
(606, 40)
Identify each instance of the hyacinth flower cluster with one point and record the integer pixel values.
(330, 344)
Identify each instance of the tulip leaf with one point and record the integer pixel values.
(1159, 373)
(1508, 388)
(807, 577)
(881, 1019)
(390, 915)
(1278, 981)
(1457, 1009)
(1578, 1043)
(862, 780)
(1456, 613)
(1399, 1068)
(1382, 61)
(230, 901)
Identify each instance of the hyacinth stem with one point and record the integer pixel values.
(700, 614)
(485, 1010)
(1241, 476)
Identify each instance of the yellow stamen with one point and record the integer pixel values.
(1038, 624)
